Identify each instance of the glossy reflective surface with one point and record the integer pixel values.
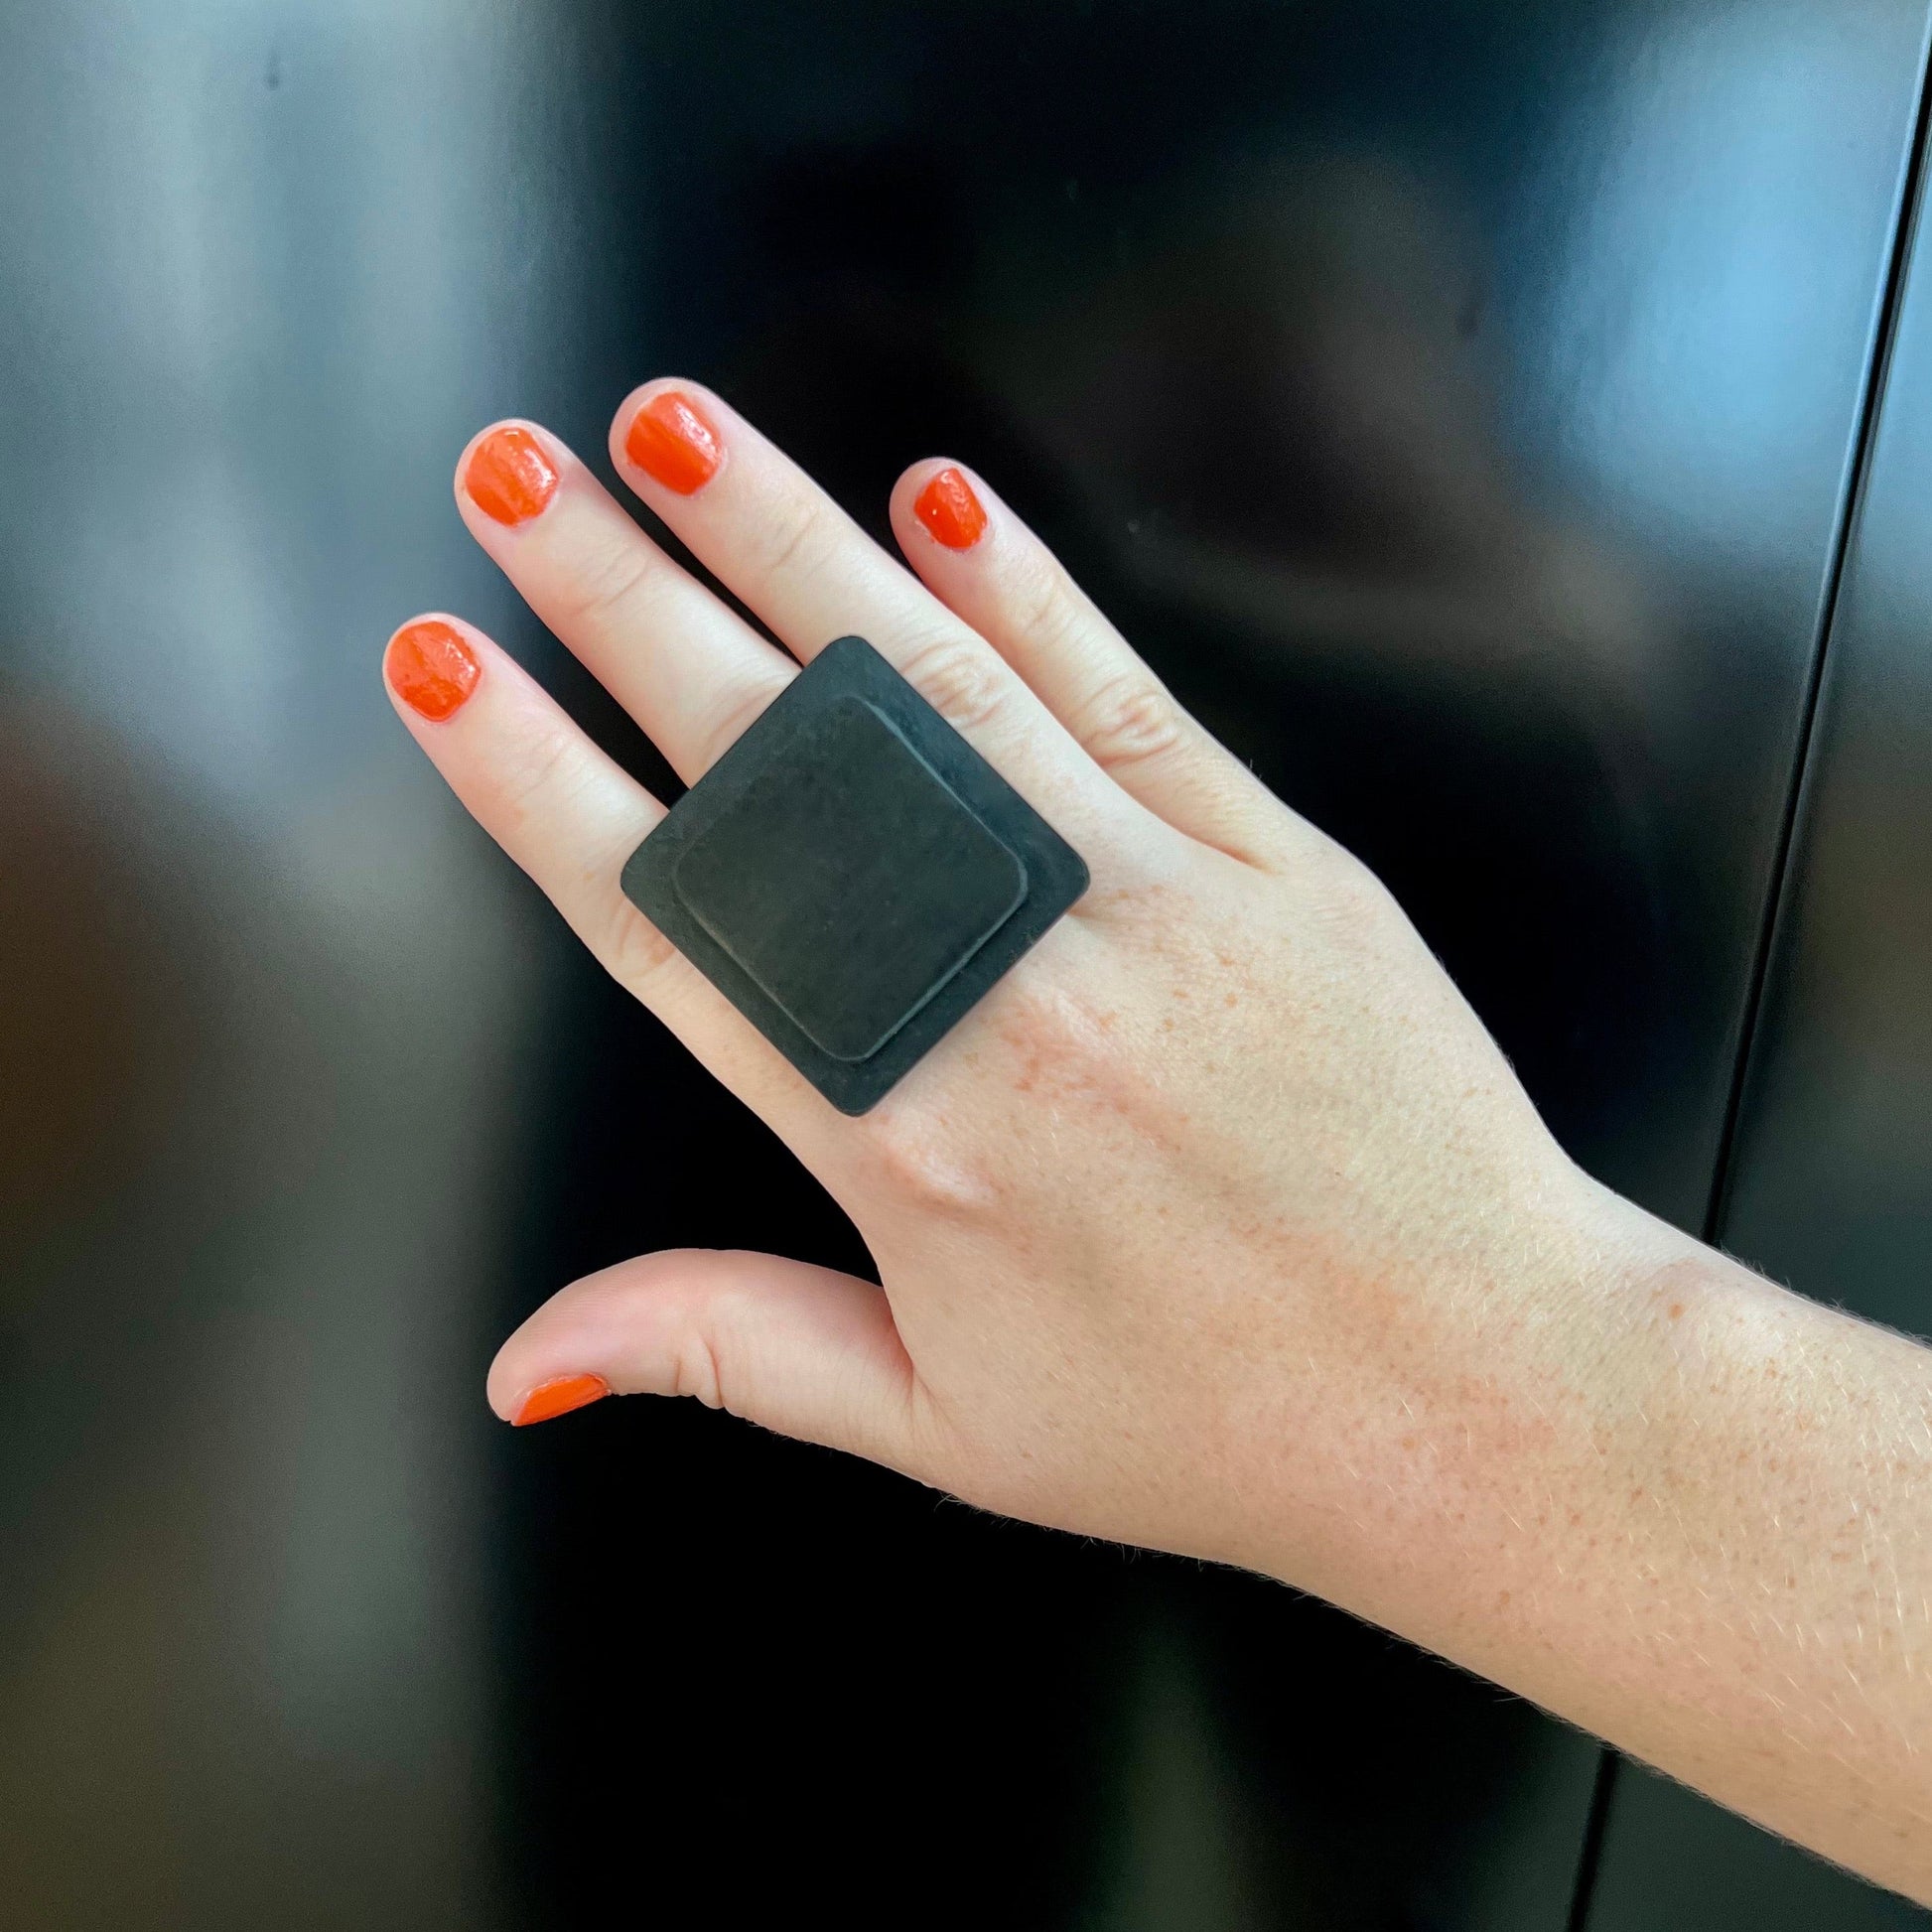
(1455, 400)
(1831, 1189)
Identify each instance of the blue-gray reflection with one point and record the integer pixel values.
(1689, 254)
(256, 299)
(1455, 400)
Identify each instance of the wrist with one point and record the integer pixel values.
(1501, 1425)
(1558, 1502)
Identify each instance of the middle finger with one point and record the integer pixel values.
(690, 670)
(779, 544)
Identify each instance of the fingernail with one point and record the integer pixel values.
(670, 440)
(432, 668)
(510, 477)
(558, 1397)
(949, 509)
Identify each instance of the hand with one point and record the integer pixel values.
(1219, 1226)
(1173, 1226)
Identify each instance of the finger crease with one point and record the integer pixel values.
(790, 547)
(1129, 721)
(611, 587)
(1048, 613)
(962, 683)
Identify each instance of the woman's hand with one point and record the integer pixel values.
(1220, 1225)
(1220, 1178)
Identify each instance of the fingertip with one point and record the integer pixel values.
(671, 431)
(940, 503)
(577, 1334)
(433, 664)
(647, 391)
(911, 480)
(510, 471)
(557, 1396)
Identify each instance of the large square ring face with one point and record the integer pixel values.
(853, 875)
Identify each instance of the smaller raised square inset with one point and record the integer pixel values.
(849, 882)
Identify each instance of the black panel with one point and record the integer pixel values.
(1424, 388)
(1674, 1862)
(1831, 1189)
(1453, 399)
(1830, 1186)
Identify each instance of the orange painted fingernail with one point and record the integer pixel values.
(670, 440)
(511, 476)
(558, 1397)
(432, 668)
(949, 509)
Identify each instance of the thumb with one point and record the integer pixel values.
(800, 1350)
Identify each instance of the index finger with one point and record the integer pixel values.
(570, 816)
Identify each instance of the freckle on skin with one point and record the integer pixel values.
(1677, 1310)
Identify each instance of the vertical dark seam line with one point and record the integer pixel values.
(1870, 403)
(1592, 1854)
(1870, 409)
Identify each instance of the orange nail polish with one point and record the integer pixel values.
(949, 509)
(670, 440)
(511, 476)
(558, 1397)
(431, 667)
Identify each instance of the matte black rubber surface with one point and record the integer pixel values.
(853, 875)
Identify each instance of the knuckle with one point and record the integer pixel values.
(960, 678)
(914, 1152)
(533, 774)
(1352, 904)
(1064, 1040)
(605, 585)
(695, 1370)
(1060, 1041)
(633, 951)
(1130, 720)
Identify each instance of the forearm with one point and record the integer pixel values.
(1702, 1531)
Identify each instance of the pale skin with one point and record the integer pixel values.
(1220, 1226)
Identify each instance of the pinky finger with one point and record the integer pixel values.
(990, 569)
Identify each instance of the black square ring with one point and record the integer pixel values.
(853, 875)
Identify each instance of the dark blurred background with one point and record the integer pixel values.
(1507, 424)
